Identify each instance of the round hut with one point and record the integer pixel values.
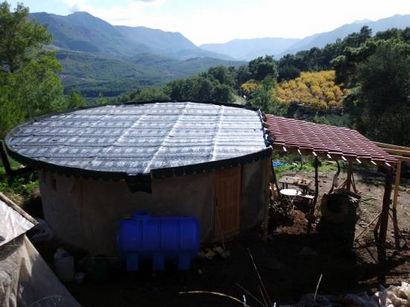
(99, 165)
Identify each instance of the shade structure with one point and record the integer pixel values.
(325, 140)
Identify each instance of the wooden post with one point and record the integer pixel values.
(394, 211)
(349, 175)
(311, 216)
(316, 183)
(397, 184)
(384, 220)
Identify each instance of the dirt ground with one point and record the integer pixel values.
(290, 263)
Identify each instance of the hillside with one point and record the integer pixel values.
(81, 31)
(94, 75)
(101, 59)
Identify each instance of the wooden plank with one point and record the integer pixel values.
(397, 184)
(384, 220)
(311, 218)
(395, 197)
(228, 201)
(391, 146)
(401, 158)
(397, 151)
(349, 175)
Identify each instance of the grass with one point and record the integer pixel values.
(17, 189)
(294, 164)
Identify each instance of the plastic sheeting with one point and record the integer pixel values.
(85, 212)
(135, 139)
(26, 280)
(13, 224)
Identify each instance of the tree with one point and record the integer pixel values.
(312, 89)
(29, 82)
(263, 67)
(222, 74)
(75, 100)
(384, 80)
(20, 38)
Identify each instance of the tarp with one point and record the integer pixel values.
(25, 278)
(135, 139)
(86, 212)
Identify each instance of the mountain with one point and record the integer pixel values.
(81, 31)
(172, 44)
(321, 39)
(248, 49)
(101, 59)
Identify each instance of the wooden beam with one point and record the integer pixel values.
(397, 184)
(395, 197)
(316, 182)
(383, 221)
(397, 151)
(349, 175)
(312, 209)
(401, 158)
(392, 146)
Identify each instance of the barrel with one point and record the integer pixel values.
(158, 239)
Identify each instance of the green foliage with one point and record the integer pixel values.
(203, 88)
(293, 164)
(29, 84)
(20, 38)
(384, 80)
(18, 188)
(316, 59)
(145, 94)
(262, 67)
(75, 100)
(92, 75)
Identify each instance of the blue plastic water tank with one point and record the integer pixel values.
(158, 238)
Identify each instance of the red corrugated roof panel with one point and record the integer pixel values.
(324, 139)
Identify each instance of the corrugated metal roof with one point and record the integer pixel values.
(136, 139)
(323, 140)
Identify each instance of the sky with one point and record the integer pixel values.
(218, 21)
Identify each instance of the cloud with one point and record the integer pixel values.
(76, 5)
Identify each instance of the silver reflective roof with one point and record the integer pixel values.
(136, 139)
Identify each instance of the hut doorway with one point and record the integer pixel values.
(228, 202)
